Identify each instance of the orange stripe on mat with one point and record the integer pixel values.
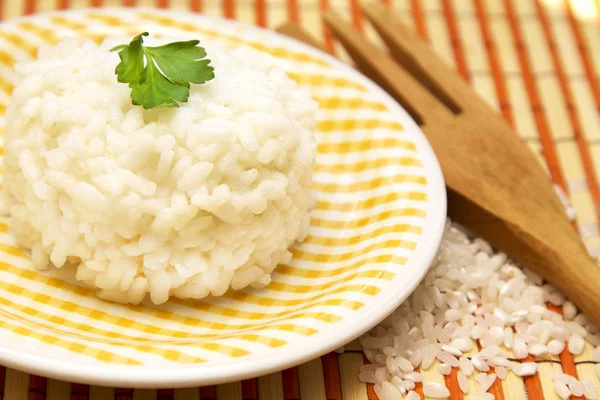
(96, 3)
(164, 394)
(452, 385)
(196, 5)
(37, 388)
(595, 88)
(123, 394)
(208, 393)
(250, 389)
(540, 120)
(419, 19)
(356, 17)
(582, 145)
(492, 55)
(291, 387)
(567, 360)
(419, 386)
(29, 7)
(293, 15)
(461, 63)
(328, 36)
(162, 3)
(229, 8)
(371, 395)
(128, 3)
(331, 372)
(496, 388)
(80, 392)
(60, 4)
(261, 13)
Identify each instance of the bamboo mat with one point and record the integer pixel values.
(536, 61)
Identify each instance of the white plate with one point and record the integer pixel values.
(375, 231)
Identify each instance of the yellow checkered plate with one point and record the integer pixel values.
(377, 226)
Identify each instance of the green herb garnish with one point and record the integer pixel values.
(161, 76)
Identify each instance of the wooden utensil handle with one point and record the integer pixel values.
(378, 66)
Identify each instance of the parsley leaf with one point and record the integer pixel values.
(161, 76)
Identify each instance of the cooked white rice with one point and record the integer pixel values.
(182, 202)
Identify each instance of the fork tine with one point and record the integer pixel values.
(378, 66)
(417, 57)
(294, 31)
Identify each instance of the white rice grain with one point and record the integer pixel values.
(466, 366)
(436, 390)
(444, 369)
(576, 344)
(412, 395)
(463, 382)
(525, 369)
(576, 389)
(562, 390)
(589, 391)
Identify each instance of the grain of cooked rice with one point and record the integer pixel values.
(473, 293)
(184, 202)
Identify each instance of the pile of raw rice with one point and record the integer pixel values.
(473, 296)
(184, 202)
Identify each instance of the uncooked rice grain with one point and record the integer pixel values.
(463, 382)
(589, 391)
(472, 293)
(486, 383)
(435, 390)
(562, 390)
(576, 389)
(444, 369)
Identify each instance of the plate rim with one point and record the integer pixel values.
(273, 359)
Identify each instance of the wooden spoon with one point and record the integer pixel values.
(496, 187)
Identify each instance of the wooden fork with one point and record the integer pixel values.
(496, 187)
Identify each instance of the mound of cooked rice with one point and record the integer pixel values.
(182, 202)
